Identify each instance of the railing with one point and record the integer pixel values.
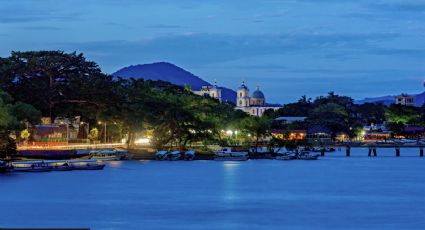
(70, 146)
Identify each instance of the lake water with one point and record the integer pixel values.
(334, 192)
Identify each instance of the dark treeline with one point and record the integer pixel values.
(341, 114)
(57, 84)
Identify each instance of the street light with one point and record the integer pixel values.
(87, 130)
(104, 133)
(67, 131)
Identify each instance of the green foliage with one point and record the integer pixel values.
(93, 134)
(404, 115)
(256, 127)
(25, 134)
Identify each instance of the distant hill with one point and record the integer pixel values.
(388, 100)
(169, 72)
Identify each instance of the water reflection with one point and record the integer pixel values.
(230, 180)
(115, 164)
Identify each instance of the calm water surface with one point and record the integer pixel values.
(332, 193)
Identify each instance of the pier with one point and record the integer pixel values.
(373, 150)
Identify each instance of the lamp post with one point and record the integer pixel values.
(67, 131)
(104, 133)
(87, 130)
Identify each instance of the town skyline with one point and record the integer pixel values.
(290, 48)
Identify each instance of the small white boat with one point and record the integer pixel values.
(286, 156)
(86, 164)
(304, 155)
(174, 156)
(226, 154)
(161, 155)
(189, 155)
(105, 155)
(31, 166)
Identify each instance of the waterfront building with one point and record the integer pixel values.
(405, 99)
(58, 132)
(210, 90)
(255, 104)
(319, 135)
(289, 120)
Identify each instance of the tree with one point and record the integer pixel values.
(93, 134)
(257, 127)
(54, 82)
(302, 108)
(12, 116)
(331, 115)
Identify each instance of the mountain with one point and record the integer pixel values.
(388, 100)
(169, 72)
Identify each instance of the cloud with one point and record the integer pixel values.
(41, 28)
(204, 48)
(164, 26)
(408, 7)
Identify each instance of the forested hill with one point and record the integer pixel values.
(388, 100)
(169, 72)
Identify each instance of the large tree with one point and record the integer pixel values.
(54, 82)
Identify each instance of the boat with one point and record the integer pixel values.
(304, 155)
(86, 164)
(227, 154)
(123, 154)
(60, 165)
(174, 156)
(189, 155)
(318, 150)
(161, 155)
(4, 167)
(105, 155)
(31, 166)
(286, 156)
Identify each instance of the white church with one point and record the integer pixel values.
(254, 105)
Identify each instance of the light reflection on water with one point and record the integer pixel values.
(331, 193)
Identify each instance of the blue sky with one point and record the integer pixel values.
(359, 48)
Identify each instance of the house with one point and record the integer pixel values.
(212, 91)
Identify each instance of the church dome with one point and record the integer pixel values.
(258, 94)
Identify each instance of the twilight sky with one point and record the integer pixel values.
(359, 48)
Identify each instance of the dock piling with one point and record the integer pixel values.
(322, 152)
(347, 151)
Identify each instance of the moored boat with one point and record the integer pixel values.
(31, 166)
(105, 155)
(227, 154)
(109, 154)
(286, 156)
(304, 155)
(60, 165)
(189, 155)
(86, 164)
(174, 155)
(161, 155)
(4, 167)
